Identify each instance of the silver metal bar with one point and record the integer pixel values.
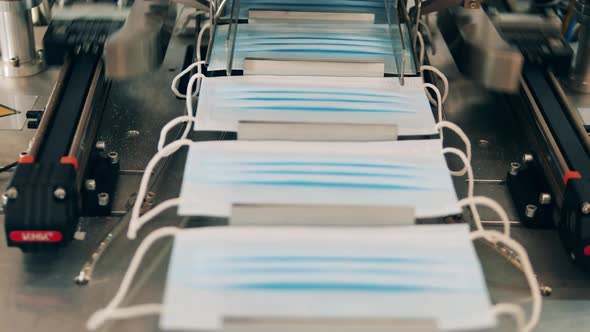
(313, 68)
(315, 132)
(83, 140)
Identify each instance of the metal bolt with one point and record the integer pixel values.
(484, 144)
(101, 145)
(527, 158)
(545, 199)
(514, 168)
(12, 193)
(546, 291)
(90, 184)
(586, 208)
(114, 157)
(15, 62)
(103, 199)
(59, 193)
(530, 211)
(132, 133)
(473, 5)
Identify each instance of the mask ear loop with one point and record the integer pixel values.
(457, 130)
(136, 221)
(528, 272)
(422, 45)
(442, 77)
(178, 77)
(112, 310)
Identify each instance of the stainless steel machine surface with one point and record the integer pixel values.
(38, 292)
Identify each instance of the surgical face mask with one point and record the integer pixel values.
(225, 101)
(418, 273)
(326, 42)
(376, 7)
(386, 174)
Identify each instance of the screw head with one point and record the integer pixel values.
(59, 193)
(530, 211)
(114, 157)
(15, 62)
(473, 5)
(101, 145)
(527, 158)
(90, 184)
(545, 199)
(103, 199)
(12, 193)
(586, 208)
(514, 168)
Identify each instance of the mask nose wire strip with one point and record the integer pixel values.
(136, 222)
(111, 311)
(527, 268)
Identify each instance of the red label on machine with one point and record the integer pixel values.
(35, 236)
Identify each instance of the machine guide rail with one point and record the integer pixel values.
(45, 198)
(565, 194)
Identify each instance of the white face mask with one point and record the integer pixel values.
(376, 7)
(389, 174)
(416, 272)
(225, 101)
(280, 41)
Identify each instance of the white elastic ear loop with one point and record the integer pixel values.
(438, 102)
(422, 45)
(111, 311)
(177, 78)
(470, 179)
(442, 77)
(526, 267)
(200, 39)
(189, 101)
(492, 204)
(221, 8)
(457, 130)
(514, 310)
(136, 222)
(166, 129)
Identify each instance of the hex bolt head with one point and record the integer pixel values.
(514, 168)
(101, 145)
(114, 157)
(15, 62)
(545, 199)
(530, 211)
(59, 193)
(12, 193)
(586, 208)
(527, 158)
(103, 199)
(90, 184)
